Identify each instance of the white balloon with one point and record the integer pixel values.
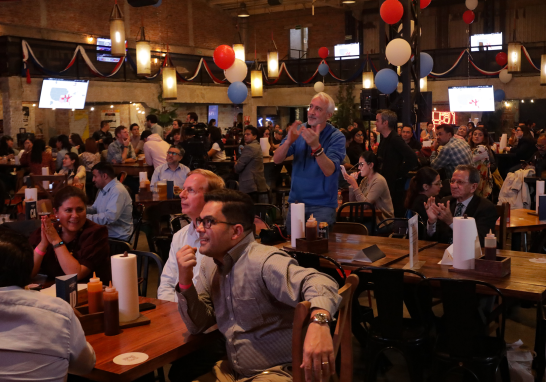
(236, 72)
(471, 4)
(319, 86)
(504, 76)
(398, 52)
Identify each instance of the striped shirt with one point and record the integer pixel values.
(252, 296)
(454, 153)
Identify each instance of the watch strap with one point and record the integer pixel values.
(58, 244)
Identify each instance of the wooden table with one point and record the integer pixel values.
(155, 200)
(165, 340)
(267, 161)
(521, 221)
(134, 169)
(21, 193)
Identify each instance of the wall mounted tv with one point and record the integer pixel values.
(490, 41)
(63, 94)
(471, 98)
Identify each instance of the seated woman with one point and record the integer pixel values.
(63, 147)
(216, 152)
(37, 157)
(484, 161)
(74, 244)
(76, 173)
(6, 147)
(76, 141)
(423, 185)
(373, 188)
(356, 147)
(40, 337)
(90, 156)
(526, 144)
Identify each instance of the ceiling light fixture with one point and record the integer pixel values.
(242, 11)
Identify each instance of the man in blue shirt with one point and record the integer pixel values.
(121, 150)
(113, 206)
(319, 150)
(173, 169)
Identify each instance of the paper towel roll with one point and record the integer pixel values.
(297, 222)
(503, 142)
(264, 143)
(45, 171)
(31, 194)
(125, 280)
(539, 191)
(464, 239)
(143, 176)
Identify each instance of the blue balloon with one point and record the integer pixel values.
(386, 80)
(499, 95)
(426, 63)
(323, 69)
(237, 92)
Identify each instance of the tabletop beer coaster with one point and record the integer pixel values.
(130, 359)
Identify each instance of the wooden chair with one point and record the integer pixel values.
(359, 212)
(178, 222)
(138, 213)
(143, 267)
(350, 228)
(342, 336)
(269, 213)
(503, 211)
(59, 181)
(121, 176)
(118, 246)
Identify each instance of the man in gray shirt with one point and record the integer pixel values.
(250, 291)
(250, 165)
(151, 124)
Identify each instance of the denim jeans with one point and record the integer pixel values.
(321, 213)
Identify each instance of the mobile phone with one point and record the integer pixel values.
(146, 306)
(343, 170)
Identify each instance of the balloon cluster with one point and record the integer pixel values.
(323, 68)
(235, 71)
(469, 16)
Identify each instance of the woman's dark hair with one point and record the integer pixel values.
(133, 125)
(485, 137)
(66, 193)
(16, 260)
(77, 140)
(425, 175)
(216, 136)
(526, 132)
(177, 132)
(359, 124)
(51, 143)
(354, 132)
(75, 158)
(210, 123)
(472, 126)
(347, 134)
(91, 146)
(4, 148)
(65, 143)
(374, 135)
(38, 149)
(370, 158)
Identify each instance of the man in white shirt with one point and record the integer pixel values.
(155, 149)
(173, 169)
(40, 337)
(151, 124)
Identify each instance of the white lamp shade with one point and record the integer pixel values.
(256, 83)
(117, 36)
(514, 57)
(423, 84)
(367, 80)
(143, 58)
(239, 50)
(273, 64)
(543, 70)
(169, 83)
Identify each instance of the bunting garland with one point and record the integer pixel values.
(28, 54)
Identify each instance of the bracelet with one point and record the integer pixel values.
(184, 287)
(314, 151)
(319, 152)
(58, 244)
(39, 252)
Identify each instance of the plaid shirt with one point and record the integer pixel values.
(454, 153)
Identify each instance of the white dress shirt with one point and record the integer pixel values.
(431, 228)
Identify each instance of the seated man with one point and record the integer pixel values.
(250, 290)
(154, 148)
(113, 206)
(121, 150)
(250, 165)
(173, 169)
(462, 201)
(40, 337)
(539, 158)
(453, 152)
(407, 136)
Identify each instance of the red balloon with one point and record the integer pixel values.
(224, 56)
(469, 17)
(425, 3)
(502, 59)
(391, 11)
(323, 52)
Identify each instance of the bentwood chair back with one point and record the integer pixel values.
(178, 222)
(397, 228)
(58, 181)
(312, 260)
(143, 268)
(138, 213)
(118, 247)
(350, 228)
(269, 213)
(503, 211)
(121, 176)
(358, 212)
(342, 338)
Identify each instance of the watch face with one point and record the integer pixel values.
(321, 318)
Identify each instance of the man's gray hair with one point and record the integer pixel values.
(326, 98)
(473, 173)
(390, 117)
(182, 151)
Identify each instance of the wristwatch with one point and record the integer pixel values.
(320, 318)
(62, 243)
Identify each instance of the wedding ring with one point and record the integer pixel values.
(325, 363)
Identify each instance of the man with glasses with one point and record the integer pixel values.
(173, 169)
(462, 201)
(449, 152)
(250, 291)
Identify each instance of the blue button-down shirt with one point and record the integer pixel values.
(309, 184)
(114, 209)
(163, 172)
(115, 151)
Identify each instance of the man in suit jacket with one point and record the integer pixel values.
(250, 165)
(462, 201)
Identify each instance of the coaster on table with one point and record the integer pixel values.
(130, 358)
(538, 260)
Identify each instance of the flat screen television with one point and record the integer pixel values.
(490, 41)
(63, 94)
(347, 51)
(471, 98)
(104, 47)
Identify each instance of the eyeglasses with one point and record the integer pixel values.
(361, 164)
(439, 183)
(189, 190)
(359, 135)
(457, 182)
(172, 153)
(208, 221)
